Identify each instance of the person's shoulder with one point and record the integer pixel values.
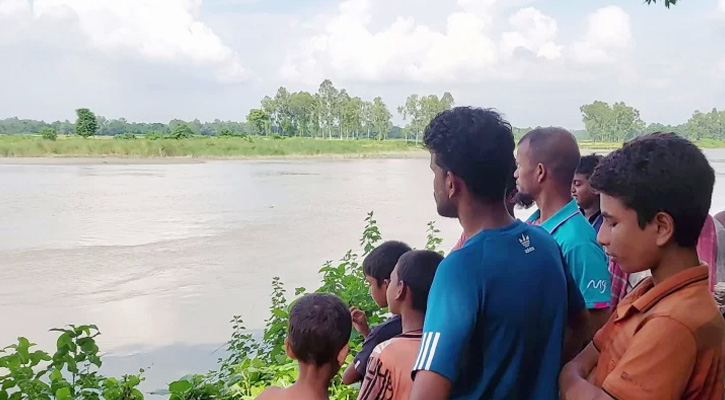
(386, 330)
(399, 350)
(694, 308)
(271, 393)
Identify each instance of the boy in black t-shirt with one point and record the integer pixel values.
(377, 267)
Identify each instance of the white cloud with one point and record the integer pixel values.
(534, 31)
(153, 30)
(721, 5)
(351, 45)
(349, 48)
(354, 44)
(607, 36)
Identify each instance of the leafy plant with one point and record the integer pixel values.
(49, 134)
(125, 136)
(434, 240)
(71, 373)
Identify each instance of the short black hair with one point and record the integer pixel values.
(319, 327)
(476, 145)
(587, 164)
(417, 269)
(381, 261)
(557, 149)
(660, 172)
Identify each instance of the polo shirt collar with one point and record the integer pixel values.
(653, 294)
(556, 220)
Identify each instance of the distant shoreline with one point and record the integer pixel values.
(23, 149)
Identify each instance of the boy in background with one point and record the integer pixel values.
(586, 198)
(377, 267)
(665, 340)
(319, 331)
(389, 366)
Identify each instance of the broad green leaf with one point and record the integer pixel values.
(179, 386)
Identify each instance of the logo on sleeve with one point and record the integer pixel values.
(526, 243)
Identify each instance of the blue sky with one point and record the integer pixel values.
(535, 60)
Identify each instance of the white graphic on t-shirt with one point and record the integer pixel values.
(526, 243)
(600, 285)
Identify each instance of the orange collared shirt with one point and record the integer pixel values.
(663, 342)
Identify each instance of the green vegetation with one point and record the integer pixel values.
(620, 122)
(160, 145)
(49, 134)
(86, 124)
(250, 364)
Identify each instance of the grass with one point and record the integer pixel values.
(224, 147)
(211, 147)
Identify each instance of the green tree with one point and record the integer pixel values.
(182, 131)
(381, 118)
(282, 115)
(258, 121)
(86, 124)
(49, 134)
(302, 111)
(611, 123)
(327, 96)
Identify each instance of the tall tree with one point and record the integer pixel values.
(282, 115)
(258, 121)
(611, 123)
(381, 118)
(367, 117)
(327, 103)
(86, 124)
(302, 112)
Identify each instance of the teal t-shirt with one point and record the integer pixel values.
(582, 253)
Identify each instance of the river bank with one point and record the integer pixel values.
(24, 149)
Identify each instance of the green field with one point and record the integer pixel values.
(202, 147)
(226, 147)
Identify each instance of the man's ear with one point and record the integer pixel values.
(665, 228)
(452, 185)
(401, 291)
(541, 172)
(342, 355)
(288, 349)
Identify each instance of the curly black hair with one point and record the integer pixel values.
(587, 164)
(660, 172)
(319, 327)
(476, 145)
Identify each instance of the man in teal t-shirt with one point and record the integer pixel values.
(547, 159)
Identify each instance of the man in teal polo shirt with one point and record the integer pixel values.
(547, 159)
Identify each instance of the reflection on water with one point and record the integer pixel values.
(161, 256)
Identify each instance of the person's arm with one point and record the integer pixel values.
(573, 382)
(430, 385)
(597, 318)
(453, 307)
(576, 333)
(658, 364)
(589, 268)
(577, 323)
(351, 375)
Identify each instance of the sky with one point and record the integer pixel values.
(537, 61)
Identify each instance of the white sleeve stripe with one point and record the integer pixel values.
(420, 351)
(424, 350)
(433, 350)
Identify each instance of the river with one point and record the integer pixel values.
(161, 255)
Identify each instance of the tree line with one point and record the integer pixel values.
(619, 122)
(334, 113)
